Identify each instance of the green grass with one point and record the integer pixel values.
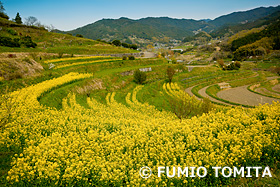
(247, 81)
(268, 64)
(105, 74)
(54, 97)
(153, 94)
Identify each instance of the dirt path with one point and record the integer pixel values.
(189, 91)
(243, 96)
(203, 93)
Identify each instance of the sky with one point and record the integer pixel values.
(70, 14)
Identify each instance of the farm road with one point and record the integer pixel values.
(203, 93)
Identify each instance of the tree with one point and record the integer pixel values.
(133, 46)
(30, 21)
(170, 73)
(117, 43)
(139, 77)
(18, 19)
(79, 35)
(2, 11)
(125, 45)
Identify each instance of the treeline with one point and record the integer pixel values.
(125, 45)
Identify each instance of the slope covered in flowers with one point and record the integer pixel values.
(107, 144)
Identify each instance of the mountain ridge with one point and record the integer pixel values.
(158, 28)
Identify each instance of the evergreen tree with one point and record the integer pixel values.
(18, 19)
(2, 11)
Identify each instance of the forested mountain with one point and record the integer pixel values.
(231, 29)
(257, 43)
(154, 29)
(245, 16)
(145, 28)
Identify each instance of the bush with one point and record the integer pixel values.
(187, 107)
(131, 57)
(238, 64)
(12, 32)
(79, 35)
(232, 66)
(124, 57)
(125, 45)
(139, 77)
(117, 43)
(27, 42)
(9, 42)
(60, 54)
(3, 15)
(133, 46)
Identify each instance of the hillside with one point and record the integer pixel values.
(231, 29)
(155, 29)
(23, 48)
(257, 43)
(50, 42)
(244, 16)
(145, 28)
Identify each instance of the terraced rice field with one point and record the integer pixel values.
(105, 138)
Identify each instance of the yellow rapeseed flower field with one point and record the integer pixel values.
(107, 144)
(73, 58)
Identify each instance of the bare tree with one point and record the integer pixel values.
(170, 73)
(30, 21)
(49, 27)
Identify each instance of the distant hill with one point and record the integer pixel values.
(235, 28)
(244, 16)
(145, 28)
(155, 29)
